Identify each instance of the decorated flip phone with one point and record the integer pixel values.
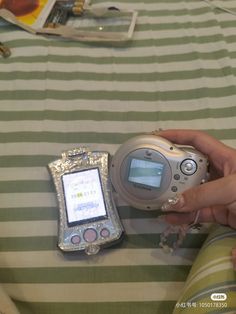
(88, 219)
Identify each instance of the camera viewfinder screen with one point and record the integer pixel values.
(145, 172)
(84, 196)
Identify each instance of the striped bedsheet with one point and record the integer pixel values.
(179, 71)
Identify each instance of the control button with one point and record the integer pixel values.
(75, 239)
(90, 235)
(105, 233)
(176, 176)
(174, 188)
(188, 167)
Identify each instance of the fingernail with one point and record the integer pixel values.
(173, 203)
(156, 132)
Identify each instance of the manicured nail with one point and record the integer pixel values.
(173, 203)
(156, 132)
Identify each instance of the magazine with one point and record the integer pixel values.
(33, 13)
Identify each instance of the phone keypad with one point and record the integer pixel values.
(90, 235)
(75, 239)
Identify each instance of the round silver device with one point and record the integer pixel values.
(147, 170)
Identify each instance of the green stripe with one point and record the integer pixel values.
(142, 273)
(201, 39)
(28, 244)
(161, 307)
(189, 56)
(26, 186)
(82, 137)
(51, 213)
(120, 77)
(28, 214)
(226, 24)
(72, 115)
(45, 243)
(61, 137)
(170, 95)
(26, 161)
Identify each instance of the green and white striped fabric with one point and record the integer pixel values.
(179, 71)
(212, 275)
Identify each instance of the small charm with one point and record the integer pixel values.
(173, 236)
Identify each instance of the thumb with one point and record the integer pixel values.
(218, 192)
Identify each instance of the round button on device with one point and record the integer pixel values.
(105, 233)
(75, 239)
(188, 167)
(174, 188)
(90, 235)
(177, 177)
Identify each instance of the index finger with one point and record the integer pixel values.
(202, 141)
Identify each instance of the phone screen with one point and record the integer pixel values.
(145, 172)
(84, 196)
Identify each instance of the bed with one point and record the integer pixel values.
(178, 71)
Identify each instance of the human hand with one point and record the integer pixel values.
(216, 199)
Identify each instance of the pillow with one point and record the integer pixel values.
(211, 284)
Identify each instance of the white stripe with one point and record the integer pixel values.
(117, 257)
(28, 229)
(112, 126)
(119, 106)
(35, 149)
(101, 292)
(24, 173)
(118, 86)
(178, 33)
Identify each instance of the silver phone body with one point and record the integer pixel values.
(148, 169)
(88, 219)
